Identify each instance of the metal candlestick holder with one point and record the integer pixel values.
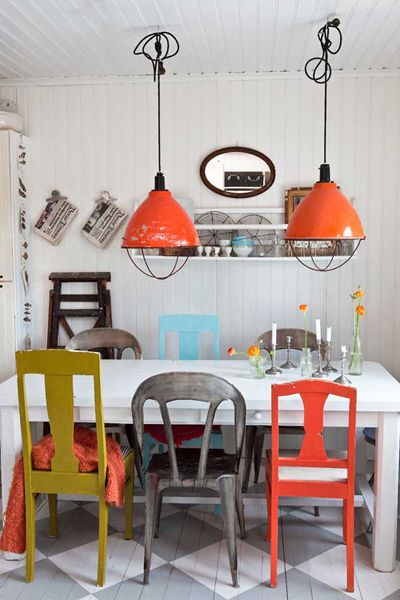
(343, 379)
(329, 368)
(288, 364)
(274, 369)
(319, 372)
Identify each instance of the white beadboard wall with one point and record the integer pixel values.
(98, 135)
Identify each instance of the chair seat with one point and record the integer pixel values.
(218, 463)
(370, 435)
(311, 473)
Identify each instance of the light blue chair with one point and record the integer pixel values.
(189, 329)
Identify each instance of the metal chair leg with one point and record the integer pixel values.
(152, 484)
(158, 513)
(227, 492)
(258, 449)
(240, 508)
(250, 441)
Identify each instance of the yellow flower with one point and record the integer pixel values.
(253, 350)
(303, 307)
(360, 310)
(358, 294)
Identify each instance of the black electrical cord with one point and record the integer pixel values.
(318, 68)
(165, 46)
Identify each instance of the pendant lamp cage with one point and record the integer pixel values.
(325, 215)
(160, 222)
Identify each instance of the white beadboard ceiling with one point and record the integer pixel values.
(77, 38)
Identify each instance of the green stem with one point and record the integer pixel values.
(305, 330)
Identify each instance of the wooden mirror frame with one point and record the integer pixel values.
(245, 150)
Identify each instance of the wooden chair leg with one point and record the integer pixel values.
(30, 536)
(129, 488)
(152, 485)
(258, 450)
(103, 531)
(53, 529)
(250, 441)
(273, 519)
(268, 497)
(227, 492)
(344, 517)
(350, 543)
(240, 508)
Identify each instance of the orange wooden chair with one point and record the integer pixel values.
(311, 473)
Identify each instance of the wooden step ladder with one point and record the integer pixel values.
(58, 315)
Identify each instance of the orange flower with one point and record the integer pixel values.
(231, 351)
(253, 350)
(358, 294)
(360, 310)
(303, 307)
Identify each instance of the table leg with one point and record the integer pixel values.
(11, 447)
(386, 492)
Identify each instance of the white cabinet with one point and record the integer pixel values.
(14, 251)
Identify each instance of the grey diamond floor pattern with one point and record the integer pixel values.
(194, 538)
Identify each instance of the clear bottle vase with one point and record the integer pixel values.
(355, 356)
(258, 365)
(306, 363)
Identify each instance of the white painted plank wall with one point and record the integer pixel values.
(95, 136)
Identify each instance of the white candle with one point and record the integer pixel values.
(274, 334)
(318, 329)
(329, 334)
(343, 349)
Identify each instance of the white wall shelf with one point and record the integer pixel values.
(237, 226)
(261, 210)
(234, 259)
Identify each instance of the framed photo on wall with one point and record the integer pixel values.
(293, 197)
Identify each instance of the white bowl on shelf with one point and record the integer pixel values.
(243, 251)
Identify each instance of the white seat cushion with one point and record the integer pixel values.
(313, 473)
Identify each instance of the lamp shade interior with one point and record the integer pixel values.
(325, 214)
(160, 222)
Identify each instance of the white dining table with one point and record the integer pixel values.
(378, 405)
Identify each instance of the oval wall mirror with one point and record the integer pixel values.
(237, 172)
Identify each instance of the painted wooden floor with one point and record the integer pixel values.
(190, 560)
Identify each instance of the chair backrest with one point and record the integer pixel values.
(58, 368)
(184, 386)
(312, 452)
(105, 337)
(189, 328)
(297, 342)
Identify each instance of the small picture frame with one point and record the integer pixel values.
(293, 198)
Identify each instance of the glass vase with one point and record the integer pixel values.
(257, 367)
(306, 363)
(355, 356)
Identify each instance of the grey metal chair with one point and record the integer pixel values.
(194, 468)
(255, 433)
(114, 341)
(105, 337)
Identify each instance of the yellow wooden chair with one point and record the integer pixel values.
(58, 368)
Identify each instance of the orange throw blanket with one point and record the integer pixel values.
(13, 537)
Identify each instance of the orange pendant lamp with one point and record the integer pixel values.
(325, 214)
(160, 221)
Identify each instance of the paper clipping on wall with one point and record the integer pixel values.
(104, 221)
(56, 218)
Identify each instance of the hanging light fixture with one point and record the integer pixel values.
(160, 221)
(325, 214)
